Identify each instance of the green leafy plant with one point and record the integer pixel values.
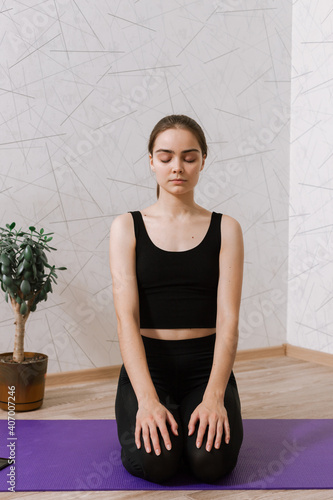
(25, 274)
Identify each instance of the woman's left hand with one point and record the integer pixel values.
(210, 412)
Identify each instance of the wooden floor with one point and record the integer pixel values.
(276, 387)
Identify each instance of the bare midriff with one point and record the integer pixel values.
(176, 334)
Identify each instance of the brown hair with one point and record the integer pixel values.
(182, 122)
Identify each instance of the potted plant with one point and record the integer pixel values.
(26, 279)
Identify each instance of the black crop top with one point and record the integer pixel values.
(178, 289)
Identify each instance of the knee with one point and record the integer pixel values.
(152, 467)
(159, 469)
(210, 466)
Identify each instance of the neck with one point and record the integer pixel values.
(174, 205)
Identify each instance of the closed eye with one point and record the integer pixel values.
(187, 161)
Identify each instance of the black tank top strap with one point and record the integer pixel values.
(218, 219)
(214, 234)
(137, 220)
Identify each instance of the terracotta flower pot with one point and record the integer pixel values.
(26, 380)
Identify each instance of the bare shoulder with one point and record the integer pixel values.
(122, 229)
(231, 230)
(122, 221)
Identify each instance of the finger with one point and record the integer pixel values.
(201, 432)
(191, 425)
(219, 432)
(137, 436)
(211, 435)
(227, 430)
(146, 438)
(165, 435)
(173, 423)
(155, 439)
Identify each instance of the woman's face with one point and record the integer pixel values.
(177, 155)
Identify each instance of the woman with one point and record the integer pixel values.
(177, 272)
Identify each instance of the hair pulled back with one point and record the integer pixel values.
(181, 122)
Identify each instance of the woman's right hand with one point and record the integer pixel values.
(152, 415)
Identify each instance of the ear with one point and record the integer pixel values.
(151, 161)
(203, 162)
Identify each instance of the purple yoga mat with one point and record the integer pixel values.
(68, 455)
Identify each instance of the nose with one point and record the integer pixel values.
(177, 165)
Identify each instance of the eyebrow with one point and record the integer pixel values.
(170, 151)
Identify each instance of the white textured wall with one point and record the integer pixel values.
(82, 84)
(310, 311)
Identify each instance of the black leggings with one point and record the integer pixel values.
(180, 371)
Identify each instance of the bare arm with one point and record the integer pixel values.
(211, 411)
(228, 307)
(126, 302)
